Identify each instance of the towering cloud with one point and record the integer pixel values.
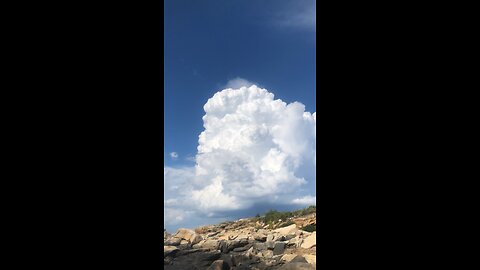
(253, 149)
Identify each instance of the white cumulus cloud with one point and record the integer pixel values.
(306, 200)
(253, 149)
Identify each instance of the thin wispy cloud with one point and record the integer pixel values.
(238, 82)
(299, 14)
(190, 158)
(174, 155)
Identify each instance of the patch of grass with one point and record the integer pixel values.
(309, 210)
(285, 224)
(310, 228)
(273, 216)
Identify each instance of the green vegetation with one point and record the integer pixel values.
(309, 210)
(273, 216)
(285, 224)
(309, 228)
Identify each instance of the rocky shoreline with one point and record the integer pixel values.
(243, 244)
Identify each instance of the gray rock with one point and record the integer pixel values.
(310, 241)
(260, 237)
(297, 266)
(237, 243)
(279, 248)
(270, 237)
(270, 244)
(184, 233)
(267, 254)
(174, 241)
(223, 246)
(287, 230)
(299, 259)
(280, 238)
(210, 244)
(196, 238)
(260, 246)
(180, 266)
(186, 252)
(228, 258)
(311, 259)
(240, 249)
(213, 234)
(241, 259)
(201, 260)
(169, 250)
(219, 265)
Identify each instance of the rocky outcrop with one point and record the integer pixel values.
(243, 244)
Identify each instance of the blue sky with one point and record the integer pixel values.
(208, 44)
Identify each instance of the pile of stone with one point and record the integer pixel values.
(240, 245)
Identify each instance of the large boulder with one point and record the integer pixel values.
(168, 250)
(196, 238)
(184, 233)
(237, 243)
(199, 259)
(311, 259)
(173, 241)
(188, 235)
(210, 244)
(260, 237)
(310, 241)
(292, 229)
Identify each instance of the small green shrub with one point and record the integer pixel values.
(285, 224)
(273, 216)
(310, 228)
